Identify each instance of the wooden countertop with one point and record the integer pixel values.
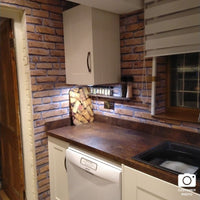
(121, 144)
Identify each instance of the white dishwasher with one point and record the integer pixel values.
(91, 178)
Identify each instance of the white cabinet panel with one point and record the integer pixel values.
(92, 42)
(140, 186)
(57, 171)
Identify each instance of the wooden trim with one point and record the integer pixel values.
(177, 113)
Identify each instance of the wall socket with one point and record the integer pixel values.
(109, 105)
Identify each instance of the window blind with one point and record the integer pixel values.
(171, 27)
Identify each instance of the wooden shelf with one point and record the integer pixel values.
(110, 97)
(121, 100)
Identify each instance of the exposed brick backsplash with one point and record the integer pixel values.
(49, 93)
(133, 63)
(46, 57)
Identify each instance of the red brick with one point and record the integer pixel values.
(122, 29)
(57, 53)
(27, 11)
(33, 80)
(44, 169)
(46, 107)
(40, 13)
(141, 16)
(55, 16)
(33, 20)
(139, 33)
(46, 93)
(61, 79)
(52, 38)
(62, 66)
(126, 35)
(51, 119)
(128, 20)
(133, 71)
(41, 131)
(41, 87)
(43, 29)
(60, 98)
(53, 23)
(62, 59)
(59, 32)
(56, 66)
(54, 8)
(34, 36)
(42, 162)
(54, 113)
(34, 58)
(131, 57)
(48, 59)
(44, 45)
(31, 4)
(30, 28)
(139, 49)
(45, 181)
(126, 50)
(45, 187)
(38, 72)
(40, 123)
(37, 101)
(44, 66)
(36, 116)
(135, 27)
(46, 100)
(56, 72)
(133, 41)
(65, 104)
(124, 111)
(60, 46)
(44, 79)
(126, 65)
(36, 51)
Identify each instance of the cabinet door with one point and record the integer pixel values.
(57, 171)
(140, 186)
(78, 43)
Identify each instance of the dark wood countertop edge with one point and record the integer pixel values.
(151, 129)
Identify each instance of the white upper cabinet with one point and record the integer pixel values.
(92, 46)
(115, 6)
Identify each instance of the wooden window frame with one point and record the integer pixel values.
(178, 113)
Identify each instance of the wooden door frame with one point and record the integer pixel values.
(25, 98)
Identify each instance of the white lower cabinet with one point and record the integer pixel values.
(57, 170)
(140, 186)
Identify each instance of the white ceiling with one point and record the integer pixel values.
(115, 6)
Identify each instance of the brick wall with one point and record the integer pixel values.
(49, 93)
(46, 57)
(133, 63)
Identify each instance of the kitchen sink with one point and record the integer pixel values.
(174, 157)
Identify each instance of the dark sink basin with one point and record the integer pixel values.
(174, 157)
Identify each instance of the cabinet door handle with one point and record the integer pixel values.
(65, 164)
(88, 65)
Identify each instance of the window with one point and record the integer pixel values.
(183, 90)
(185, 81)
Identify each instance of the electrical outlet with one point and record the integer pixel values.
(109, 105)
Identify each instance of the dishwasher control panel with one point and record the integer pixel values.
(89, 164)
